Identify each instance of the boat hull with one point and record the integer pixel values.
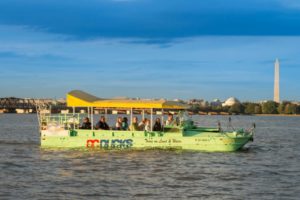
(195, 140)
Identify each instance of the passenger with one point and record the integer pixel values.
(134, 124)
(102, 124)
(86, 124)
(142, 124)
(177, 121)
(170, 121)
(147, 125)
(157, 126)
(125, 124)
(119, 123)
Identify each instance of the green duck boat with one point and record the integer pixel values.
(63, 130)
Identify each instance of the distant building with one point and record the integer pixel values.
(193, 101)
(200, 102)
(216, 103)
(231, 101)
(296, 103)
(179, 100)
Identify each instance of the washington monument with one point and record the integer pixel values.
(276, 82)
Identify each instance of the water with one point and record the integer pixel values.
(268, 168)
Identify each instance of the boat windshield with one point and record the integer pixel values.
(184, 116)
(185, 119)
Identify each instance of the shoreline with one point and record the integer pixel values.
(259, 115)
(279, 115)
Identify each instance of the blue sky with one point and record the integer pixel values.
(174, 49)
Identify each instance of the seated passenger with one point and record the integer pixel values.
(142, 124)
(147, 125)
(86, 124)
(177, 121)
(119, 123)
(157, 126)
(102, 124)
(134, 124)
(125, 123)
(170, 121)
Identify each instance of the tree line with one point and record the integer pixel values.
(248, 108)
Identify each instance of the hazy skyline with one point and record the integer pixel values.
(145, 48)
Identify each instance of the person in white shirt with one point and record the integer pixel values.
(147, 125)
(170, 121)
(119, 123)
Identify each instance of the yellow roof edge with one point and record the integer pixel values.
(77, 98)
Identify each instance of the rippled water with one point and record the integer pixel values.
(268, 168)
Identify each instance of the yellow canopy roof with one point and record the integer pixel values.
(77, 98)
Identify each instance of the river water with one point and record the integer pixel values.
(268, 168)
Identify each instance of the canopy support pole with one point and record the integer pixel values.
(74, 117)
(151, 122)
(143, 112)
(92, 118)
(162, 116)
(105, 112)
(131, 115)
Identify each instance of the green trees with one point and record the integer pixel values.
(298, 109)
(252, 108)
(288, 108)
(269, 107)
(195, 108)
(237, 108)
(249, 108)
(281, 107)
(216, 108)
(258, 109)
